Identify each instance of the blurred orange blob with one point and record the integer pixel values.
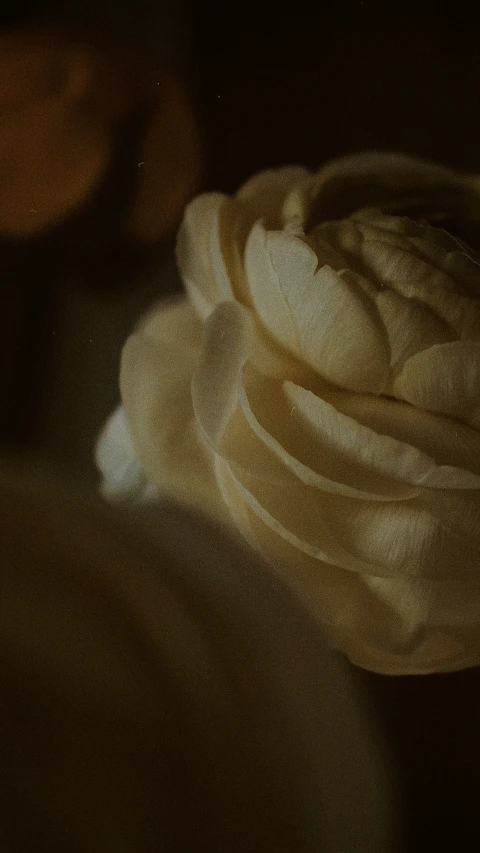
(63, 99)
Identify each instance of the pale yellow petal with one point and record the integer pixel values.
(173, 320)
(298, 516)
(465, 270)
(418, 261)
(155, 379)
(410, 326)
(265, 192)
(266, 292)
(199, 253)
(308, 576)
(216, 382)
(360, 621)
(401, 268)
(428, 242)
(443, 378)
(395, 169)
(375, 539)
(359, 444)
(323, 457)
(447, 441)
(235, 223)
(234, 432)
(410, 540)
(417, 279)
(438, 650)
(252, 447)
(346, 184)
(458, 513)
(420, 601)
(317, 313)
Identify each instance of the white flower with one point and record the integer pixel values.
(320, 389)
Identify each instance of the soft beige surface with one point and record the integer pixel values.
(318, 388)
(161, 691)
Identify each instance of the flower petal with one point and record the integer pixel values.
(447, 441)
(414, 278)
(446, 602)
(155, 378)
(294, 452)
(411, 541)
(316, 313)
(216, 382)
(444, 378)
(265, 289)
(266, 191)
(411, 327)
(361, 445)
(224, 413)
(359, 618)
(123, 476)
(297, 516)
(344, 185)
(199, 253)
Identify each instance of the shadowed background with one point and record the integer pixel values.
(271, 88)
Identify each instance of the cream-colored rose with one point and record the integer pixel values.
(320, 389)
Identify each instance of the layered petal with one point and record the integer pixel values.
(321, 392)
(371, 627)
(266, 192)
(444, 378)
(199, 255)
(315, 312)
(157, 365)
(372, 178)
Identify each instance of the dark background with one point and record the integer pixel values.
(272, 87)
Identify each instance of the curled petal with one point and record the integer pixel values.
(415, 278)
(402, 269)
(432, 244)
(265, 192)
(372, 538)
(307, 531)
(360, 618)
(344, 185)
(410, 326)
(295, 454)
(199, 253)
(266, 291)
(175, 321)
(316, 313)
(447, 441)
(231, 338)
(409, 539)
(216, 383)
(362, 445)
(446, 602)
(123, 476)
(155, 378)
(225, 413)
(444, 378)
